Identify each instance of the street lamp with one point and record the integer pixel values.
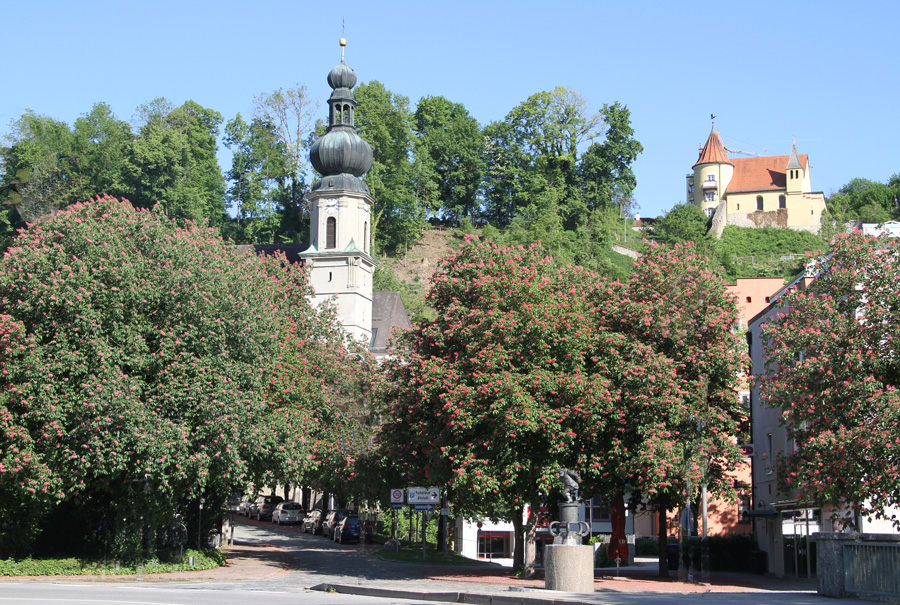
(200, 524)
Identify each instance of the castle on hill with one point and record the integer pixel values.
(766, 191)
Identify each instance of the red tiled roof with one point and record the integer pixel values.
(714, 151)
(760, 174)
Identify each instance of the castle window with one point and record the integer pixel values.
(710, 177)
(782, 202)
(710, 196)
(331, 232)
(710, 211)
(759, 202)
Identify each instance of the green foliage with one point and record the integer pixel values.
(646, 547)
(449, 151)
(413, 295)
(258, 163)
(683, 223)
(605, 167)
(761, 241)
(866, 200)
(384, 120)
(146, 366)
(765, 251)
(281, 132)
(173, 161)
(85, 567)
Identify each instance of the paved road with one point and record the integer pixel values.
(278, 565)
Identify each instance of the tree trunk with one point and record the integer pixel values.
(530, 541)
(519, 537)
(663, 543)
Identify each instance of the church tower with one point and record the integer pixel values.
(341, 211)
(794, 172)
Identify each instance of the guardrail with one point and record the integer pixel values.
(766, 258)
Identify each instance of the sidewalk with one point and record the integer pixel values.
(498, 585)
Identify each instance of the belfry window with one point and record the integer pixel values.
(331, 232)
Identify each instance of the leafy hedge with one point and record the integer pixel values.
(80, 567)
(764, 241)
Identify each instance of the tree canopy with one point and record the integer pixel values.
(833, 370)
(530, 367)
(142, 369)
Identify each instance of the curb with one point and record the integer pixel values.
(468, 598)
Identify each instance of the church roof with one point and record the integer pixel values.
(388, 312)
(714, 151)
(762, 173)
(291, 252)
(794, 162)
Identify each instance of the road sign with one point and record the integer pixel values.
(423, 495)
(396, 496)
(748, 450)
(396, 505)
(424, 506)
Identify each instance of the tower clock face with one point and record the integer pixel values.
(330, 205)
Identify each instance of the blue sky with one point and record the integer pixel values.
(826, 73)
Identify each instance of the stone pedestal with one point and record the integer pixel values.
(569, 568)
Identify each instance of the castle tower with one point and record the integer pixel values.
(341, 211)
(712, 173)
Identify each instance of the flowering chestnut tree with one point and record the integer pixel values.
(834, 370)
(676, 373)
(140, 366)
(497, 393)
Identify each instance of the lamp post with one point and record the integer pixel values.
(200, 524)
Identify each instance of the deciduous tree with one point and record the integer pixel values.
(833, 370)
(142, 368)
(499, 391)
(448, 146)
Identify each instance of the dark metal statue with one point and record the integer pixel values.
(571, 480)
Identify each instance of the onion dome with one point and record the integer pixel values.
(341, 156)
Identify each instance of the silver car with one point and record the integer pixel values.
(287, 513)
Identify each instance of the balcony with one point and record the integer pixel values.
(710, 184)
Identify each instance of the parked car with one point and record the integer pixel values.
(233, 503)
(347, 529)
(287, 513)
(264, 506)
(331, 520)
(245, 504)
(310, 521)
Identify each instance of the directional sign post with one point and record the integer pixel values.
(423, 495)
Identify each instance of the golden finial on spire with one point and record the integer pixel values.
(343, 44)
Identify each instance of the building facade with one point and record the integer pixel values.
(766, 191)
